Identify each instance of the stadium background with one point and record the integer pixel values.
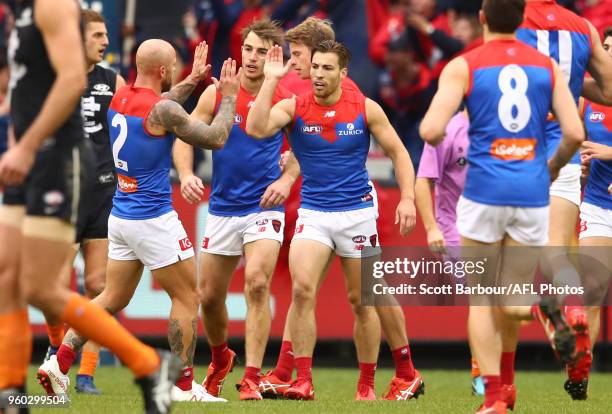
(396, 61)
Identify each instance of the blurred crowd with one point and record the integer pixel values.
(399, 47)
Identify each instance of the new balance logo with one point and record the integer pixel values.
(329, 114)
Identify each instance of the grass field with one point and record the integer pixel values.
(445, 392)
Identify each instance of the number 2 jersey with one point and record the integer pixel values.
(508, 101)
(564, 36)
(142, 159)
(598, 123)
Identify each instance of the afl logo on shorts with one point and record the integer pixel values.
(312, 129)
(360, 239)
(597, 117)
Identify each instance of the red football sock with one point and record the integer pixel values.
(303, 366)
(403, 363)
(492, 385)
(220, 355)
(507, 368)
(284, 366)
(186, 379)
(366, 374)
(65, 358)
(252, 373)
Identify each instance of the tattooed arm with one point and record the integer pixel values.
(168, 115)
(180, 92)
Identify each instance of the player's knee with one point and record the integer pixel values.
(40, 298)
(354, 299)
(95, 283)
(256, 285)
(303, 291)
(212, 299)
(189, 299)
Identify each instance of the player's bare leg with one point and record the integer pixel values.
(215, 275)
(260, 256)
(95, 253)
(596, 265)
(179, 281)
(307, 262)
(92, 321)
(274, 383)
(484, 328)
(366, 331)
(55, 326)
(15, 337)
(518, 265)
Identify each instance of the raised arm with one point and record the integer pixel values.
(566, 112)
(263, 119)
(452, 87)
(168, 115)
(58, 21)
(181, 91)
(599, 88)
(389, 141)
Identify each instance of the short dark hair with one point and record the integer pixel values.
(91, 16)
(267, 30)
(337, 48)
(607, 33)
(503, 16)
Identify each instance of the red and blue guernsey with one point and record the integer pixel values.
(508, 101)
(244, 167)
(565, 37)
(142, 160)
(598, 122)
(331, 144)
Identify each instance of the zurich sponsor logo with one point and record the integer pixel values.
(312, 129)
(101, 87)
(350, 130)
(597, 117)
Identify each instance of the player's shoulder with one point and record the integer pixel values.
(133, 101)
(504, 52)
(551, 16)
(349, 84)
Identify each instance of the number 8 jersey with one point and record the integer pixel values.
(508, 100)
(142, 160)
